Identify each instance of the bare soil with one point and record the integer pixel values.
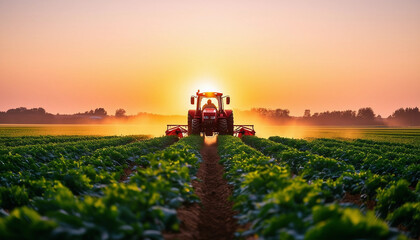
(127, 172)
(213, 218)
(356, 199)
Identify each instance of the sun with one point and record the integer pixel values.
(207, 84)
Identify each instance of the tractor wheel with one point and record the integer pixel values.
(230, 124)
(189, 124)
(195, 126)
(223, 126)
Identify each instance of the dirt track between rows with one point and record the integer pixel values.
(213, 219)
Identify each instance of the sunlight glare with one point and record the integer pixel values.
(207, 84)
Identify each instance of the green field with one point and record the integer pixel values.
(351, 183)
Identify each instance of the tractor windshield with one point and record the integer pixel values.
(209, 103)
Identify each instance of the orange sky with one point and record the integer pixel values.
(150, 57)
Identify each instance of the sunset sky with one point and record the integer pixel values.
(150, 56)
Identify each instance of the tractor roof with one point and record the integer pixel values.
(209, 94)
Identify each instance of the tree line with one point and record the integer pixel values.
(40, 115)
(364, 116)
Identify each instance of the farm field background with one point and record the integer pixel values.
(410, 135)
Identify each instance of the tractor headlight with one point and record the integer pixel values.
(206, 117)
(213, 117)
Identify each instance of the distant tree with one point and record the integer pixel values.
(399, 113)
(407, 116)
(405, 113)
(277, 113)
(120, 113)
(333, 118)
(349, 114)
(17, 110)
(39, 110)
(23, 110)
(281, 113)
(366, 114)
(91, 112)
(260, 111)
(100, 112)
(307, 113)
(25, 115)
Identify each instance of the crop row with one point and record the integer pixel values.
(45, 152)
(277, 204)
(380, 146)
(388, 192)
(378, 160)
(33, 156)
(140, 209)
(310, 166)
(33, 140)
(28, 179)
(377, 147)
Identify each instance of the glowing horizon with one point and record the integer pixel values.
(323, 55)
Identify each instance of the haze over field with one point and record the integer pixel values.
(150, 56)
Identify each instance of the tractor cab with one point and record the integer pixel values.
(208, 103)
(214, 97)
(208, 106)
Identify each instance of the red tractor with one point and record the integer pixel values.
(209, 118)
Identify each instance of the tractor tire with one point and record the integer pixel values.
(223, 126)
(230, 124)
(195, 127)
(189, 124)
